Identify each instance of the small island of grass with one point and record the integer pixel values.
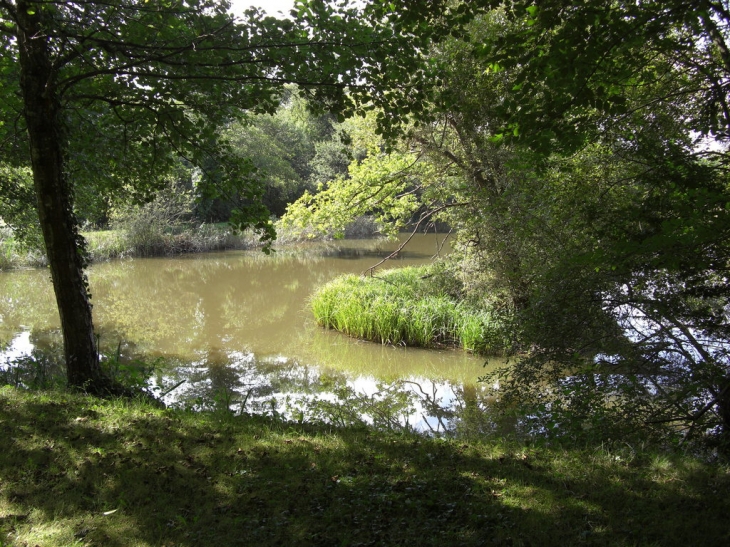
(411, 306)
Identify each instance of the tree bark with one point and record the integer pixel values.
(64, 245)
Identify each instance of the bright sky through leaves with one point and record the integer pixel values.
(272, 7)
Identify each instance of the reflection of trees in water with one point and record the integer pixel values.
(26, 303)
(377, 253)
(240, 383)
(457, 410)
(243, 384)
(475, 415)
(38, 364)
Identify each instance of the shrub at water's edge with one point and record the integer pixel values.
(111, 244)
(409, 306)
(117, 243)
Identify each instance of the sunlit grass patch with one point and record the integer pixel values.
(405, 306)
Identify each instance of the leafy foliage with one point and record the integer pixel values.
(16, 209)
(631, 300)
(580, 152)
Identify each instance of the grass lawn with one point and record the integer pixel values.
(80, 471)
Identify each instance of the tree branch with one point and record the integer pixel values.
(424, 216)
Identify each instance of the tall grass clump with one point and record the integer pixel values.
(408, 306)
(482, 330)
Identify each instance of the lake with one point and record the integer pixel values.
(233, 330)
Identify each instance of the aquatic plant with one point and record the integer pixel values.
(407, 306)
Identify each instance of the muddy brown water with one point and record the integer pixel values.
(235, 329)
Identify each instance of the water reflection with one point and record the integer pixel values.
(295, 391)
(235, 329)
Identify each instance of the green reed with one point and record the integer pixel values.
(406, 307)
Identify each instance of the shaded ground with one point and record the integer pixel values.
(78, 471)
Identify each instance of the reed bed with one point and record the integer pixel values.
(407, 307)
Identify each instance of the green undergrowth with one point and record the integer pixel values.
(409, 306)
(75, 470)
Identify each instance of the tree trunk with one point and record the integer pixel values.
(64, 245)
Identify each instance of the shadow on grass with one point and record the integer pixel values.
(75, 469)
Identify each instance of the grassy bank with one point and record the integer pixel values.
(80, 471)
(145, 239)
(408, 306)
(110, 244)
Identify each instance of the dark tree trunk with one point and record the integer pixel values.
(63, 242)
